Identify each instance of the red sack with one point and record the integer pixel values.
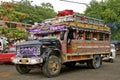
(65, 13)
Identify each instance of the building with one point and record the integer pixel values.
(11, 24)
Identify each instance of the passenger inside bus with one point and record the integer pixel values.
(70, 35)
(95, 36)
(80, 35)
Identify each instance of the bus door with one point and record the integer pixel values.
(70, 38)
(63, 39)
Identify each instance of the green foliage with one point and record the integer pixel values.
(108, 10)
(23, 11)
(12, 32)
(8, 12)
(115, 32)
(36, 13)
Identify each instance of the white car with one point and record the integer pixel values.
(112, 55)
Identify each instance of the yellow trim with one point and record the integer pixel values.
(87, 53)
(82, 56)
(78, 59)
(86, 25)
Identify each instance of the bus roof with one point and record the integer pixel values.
(75, 21)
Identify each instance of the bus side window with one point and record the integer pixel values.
(80, 36)
(100, 37)
(95, 36)
(88, 36)
(106, 37)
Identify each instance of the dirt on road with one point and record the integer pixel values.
(108, 71)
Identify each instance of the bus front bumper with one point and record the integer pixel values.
(30, 61)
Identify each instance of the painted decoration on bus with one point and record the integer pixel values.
(46, 28)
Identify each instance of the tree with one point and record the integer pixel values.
(47, 5)
(23, 11)
(37, 13)
(8, 13)
(12, 32)
(104, 10)
(108, 10)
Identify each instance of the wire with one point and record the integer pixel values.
(74, 2)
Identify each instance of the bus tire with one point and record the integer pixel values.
(22, 69)
(95, 62)
(52, 66)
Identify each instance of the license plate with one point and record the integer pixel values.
(24, 61)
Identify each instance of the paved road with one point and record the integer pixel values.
(108, 71)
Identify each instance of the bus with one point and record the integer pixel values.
(65, 40)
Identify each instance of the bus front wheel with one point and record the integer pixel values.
(52, 66)
(22, 69)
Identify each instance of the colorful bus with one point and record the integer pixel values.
(65, 40)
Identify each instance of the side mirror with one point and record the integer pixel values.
(62, 35)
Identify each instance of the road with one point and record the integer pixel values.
(108, 71)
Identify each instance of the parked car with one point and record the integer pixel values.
(7, 53)
(112, 55)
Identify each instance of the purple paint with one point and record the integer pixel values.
(46, 28)
(29, 50)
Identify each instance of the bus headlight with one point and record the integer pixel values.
(18, 50)
(38, 50)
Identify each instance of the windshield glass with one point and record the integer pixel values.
(12, 49)
(39, 36)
